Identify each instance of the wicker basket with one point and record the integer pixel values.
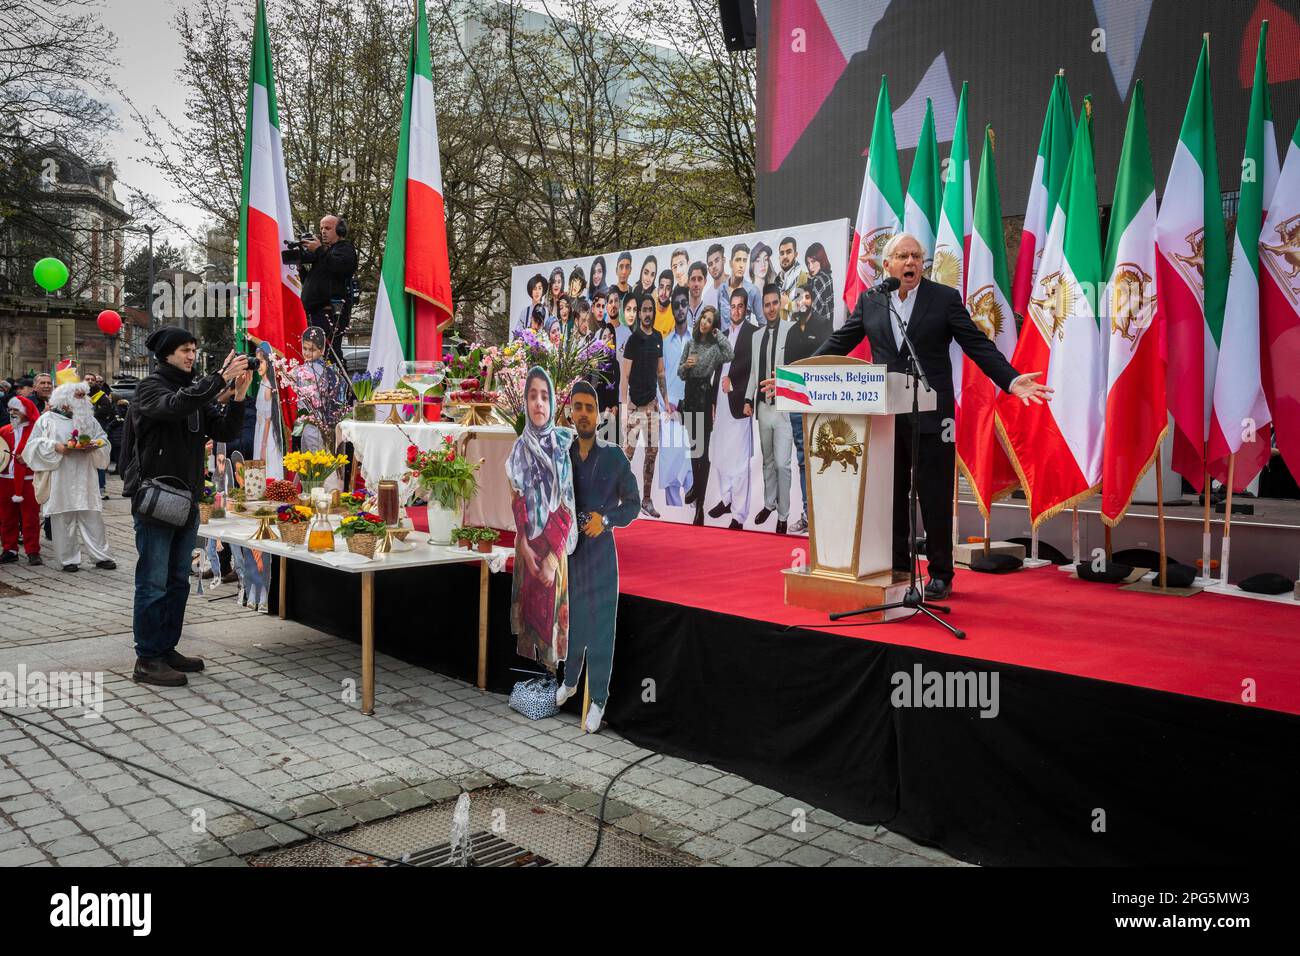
(292, 532)
(363, 544)
(205, 513)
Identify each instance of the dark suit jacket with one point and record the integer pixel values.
(937, 319)
(740, 370)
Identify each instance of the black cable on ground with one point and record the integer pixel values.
(819, 626)
(600, 820)
(207, 793)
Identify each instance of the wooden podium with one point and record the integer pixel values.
(848, 409)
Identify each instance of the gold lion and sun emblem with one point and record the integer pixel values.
(837, 443)
(1282, 258)
(986, 311)
(871, 255)
(1054, 304)
(1132, 302)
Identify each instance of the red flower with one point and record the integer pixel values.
(451, 456)
(411, 454)
(447, 439)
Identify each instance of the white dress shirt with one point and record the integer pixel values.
(904, 308)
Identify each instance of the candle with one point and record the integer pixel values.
(388, 509)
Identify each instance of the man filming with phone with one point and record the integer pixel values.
(174, 414)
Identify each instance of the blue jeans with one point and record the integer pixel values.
(162, 584)
(796, 426)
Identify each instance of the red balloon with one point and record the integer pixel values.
(109, 322)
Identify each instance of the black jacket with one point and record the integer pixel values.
(739, 370)
(331, 270)
(170, 422)
(938, 319)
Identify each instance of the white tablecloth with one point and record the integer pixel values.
(380, 451)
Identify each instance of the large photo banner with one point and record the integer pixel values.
(692, 328)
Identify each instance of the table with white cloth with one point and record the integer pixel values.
(379, 449)
(411, 554)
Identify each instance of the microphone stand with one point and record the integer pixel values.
(914, 598)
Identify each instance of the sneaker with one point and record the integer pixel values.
(106, 565)
(800, 526)
(563, 693)
(648, 508)
(762, 516)
(720, 509)
(33, 560)
(71, 567)
(179, 662)
(594, 713)
(9, 557)
(158, 672)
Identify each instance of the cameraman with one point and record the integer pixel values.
(328, 264)
(174, 414)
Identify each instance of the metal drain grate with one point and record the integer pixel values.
(555, 834)
(485, 849)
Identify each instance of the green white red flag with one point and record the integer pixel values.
(1044, 190)
(880, 209)
(1057, 446)
(1239, 424)
(980, 455)
(1136, 411)
(270, 299)
(414, 303)
(1192, 276)
(1279, 244)
(921, 205)
(953, 241)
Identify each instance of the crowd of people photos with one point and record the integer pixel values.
(692, 329)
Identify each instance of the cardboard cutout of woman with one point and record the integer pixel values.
(607, 497)
(546, 531)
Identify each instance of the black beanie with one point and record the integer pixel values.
(167, 340)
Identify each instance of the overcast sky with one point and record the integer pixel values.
(149, 58)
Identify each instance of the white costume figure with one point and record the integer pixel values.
(74, 504)
(732, 446)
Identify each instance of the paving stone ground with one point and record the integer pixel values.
(267, 725)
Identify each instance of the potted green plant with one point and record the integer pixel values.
(207, 501)
(462, 536)
(485, 538)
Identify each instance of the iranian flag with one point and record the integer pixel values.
(953, 241)
(414, 301)
(1056, 446)
(1279, 244)
(880, 208)
(1044, 190)
(1136, 411)
(980, 455)
(790, 384)
(270, 299)
(1192, 276)
(1240, 421)
(921, 205)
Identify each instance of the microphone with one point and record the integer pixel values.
(887, 284)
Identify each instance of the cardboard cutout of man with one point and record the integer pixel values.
(546, 531)
(605, 492)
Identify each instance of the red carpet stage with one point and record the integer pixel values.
(1108, 728)
(1204, 645)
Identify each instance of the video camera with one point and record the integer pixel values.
(292, 254)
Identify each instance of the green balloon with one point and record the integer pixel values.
(50, 274)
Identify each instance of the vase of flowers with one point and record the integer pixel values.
(448, 479)
(364, 385)
(313, 468)
(362, 532)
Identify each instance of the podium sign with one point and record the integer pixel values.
(848, 409)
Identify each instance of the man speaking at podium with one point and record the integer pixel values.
(935, 317)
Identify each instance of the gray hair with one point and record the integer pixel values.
(896, 240)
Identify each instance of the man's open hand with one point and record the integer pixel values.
(1027, 390)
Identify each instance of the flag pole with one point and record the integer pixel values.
(1227, 522)
(1205, 529)
(1108, 543)
(956, 539)
(1160, 515)
(1034, 561)
(1074, 542)
(986, 537)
